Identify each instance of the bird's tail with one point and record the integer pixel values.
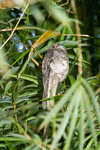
(50, 90)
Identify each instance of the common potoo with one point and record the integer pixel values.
(55, 67)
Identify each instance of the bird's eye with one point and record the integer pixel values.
(54, 46)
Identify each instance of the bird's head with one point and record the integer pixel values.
(58, 46)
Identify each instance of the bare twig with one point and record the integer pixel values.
(15, 27)
(65, 3)
(22, 28)
(77, 35)
(34, 61)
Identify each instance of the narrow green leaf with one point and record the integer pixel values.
(24, 66)
(63, 32)
(60, 28)
(89, 115)
(3, 146)
(72, 79)
(25, 27)
(81, 125)
(91, 93)
(13, 139)
(69, 43)
(88, 146)
(65, 120)
(21, 56)
(73, 122)
(9, 145)
(5, 122)
(28, 94)
(26, 77)
(8, 86)
(60, 104)
(7, 75)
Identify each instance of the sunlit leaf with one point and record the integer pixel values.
(43, 38)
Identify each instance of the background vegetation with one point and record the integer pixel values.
(75, 117)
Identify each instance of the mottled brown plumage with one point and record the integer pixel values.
(55, 67)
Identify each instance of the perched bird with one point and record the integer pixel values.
(55, 67)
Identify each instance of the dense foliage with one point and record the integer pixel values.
(75, 117)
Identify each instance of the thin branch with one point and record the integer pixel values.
(77, 35)
(15, 27)
(34, 61)
(65, 3)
